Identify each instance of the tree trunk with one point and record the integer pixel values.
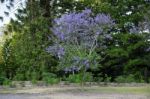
(146, 74)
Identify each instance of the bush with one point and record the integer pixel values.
(107, 79)
(7, 82)
(50, 78)
(2, 79)
(19, 76)
(125, 79)
(74, 78)
(120, 79)
(88, 77)
(77, 78)
(34, 77)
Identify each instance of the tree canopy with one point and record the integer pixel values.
(112, 35)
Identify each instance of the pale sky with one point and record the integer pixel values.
(6, 19)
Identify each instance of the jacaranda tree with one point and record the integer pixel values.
(77, 37)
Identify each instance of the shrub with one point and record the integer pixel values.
(7, 82)
(126, 79)
(2, 79)
(34, 77)
(107, 79)
(19, 76)
(77, 78)
(50, 78)
(74, 78)
(120, 79)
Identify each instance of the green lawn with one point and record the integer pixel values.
(128, 90)
(104, 90)
(112, 90)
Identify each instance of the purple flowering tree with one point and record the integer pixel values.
(77, 36)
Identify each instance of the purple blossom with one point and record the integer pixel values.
(61, 52)
(134, 30)
(76, 59)
(148, 49)
(87, 12)
(75, 68)
(103, 19)
(142, 27)
(82, 30)
(86, 64)
(66, 70)
(56, 51)
(71, 69)
(74, 26)
(108, 36)
(85, 61)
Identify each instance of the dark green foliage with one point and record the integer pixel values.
(50, 78)
(2, 79)
(30, 53)
(119, 10)
(28, 47)
(78, 78)
(9, 66)
(126, 56)
(74, 78)
(125, 59)
(128, 79)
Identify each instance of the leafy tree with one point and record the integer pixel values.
(77, 38)
(126, 56)
(123, 49)
(130, 17)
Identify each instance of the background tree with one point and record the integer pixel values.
(125, 49)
